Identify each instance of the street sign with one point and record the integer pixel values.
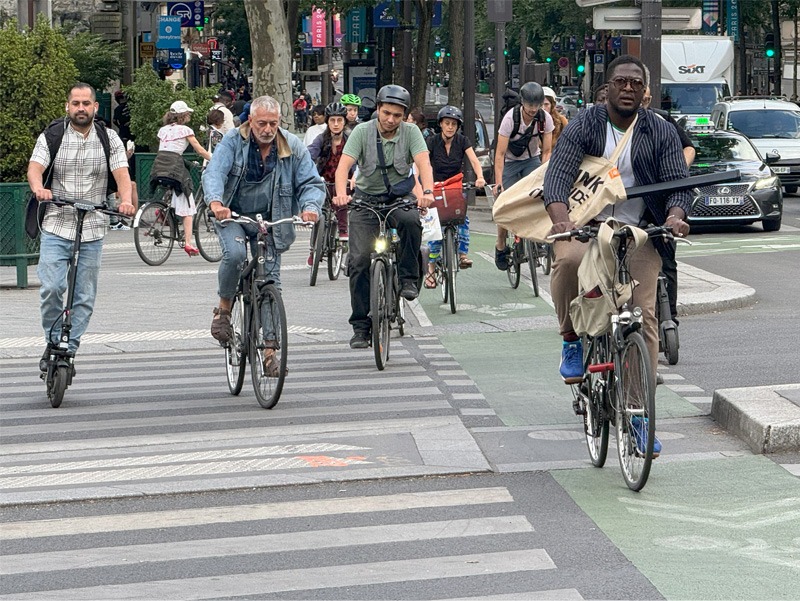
(216, 55)
(500, 11)
(192, 13)
(616, 42)
(176, 58)
(108, 25)
(202, 48)
(356, 27)
(385, 15)
(563, 62)
(169, 32)
(147, 50)
(599, 61)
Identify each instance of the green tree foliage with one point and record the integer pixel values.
(233, 30)
(37, 73)
(150, 98)
(99, 61)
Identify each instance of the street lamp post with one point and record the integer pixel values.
(469, 87)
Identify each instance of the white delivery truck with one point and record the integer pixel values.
(696, 72)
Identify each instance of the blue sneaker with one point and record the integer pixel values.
(640, 434)
(571, 367)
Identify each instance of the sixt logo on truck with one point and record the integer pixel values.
(689, 69)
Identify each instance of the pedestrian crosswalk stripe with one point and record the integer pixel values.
(562, 594)
(253, 545)
(316, 578)
(253, 512)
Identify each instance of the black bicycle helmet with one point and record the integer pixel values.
(450, 112)
(335, 109)
(531, 93)
(393, 94)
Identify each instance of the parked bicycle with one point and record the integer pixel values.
(258, 321)
(387, 310)
(618, 385)
(60, 360)
(157, 228)
(452, 209)
(326, 243)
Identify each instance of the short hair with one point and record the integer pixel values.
(318, 110)
(215, 117)
(627, 59)
(419, 117)
(82, 86)
(267, 103)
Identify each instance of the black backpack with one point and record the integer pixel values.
(536, 128)
(54, 133)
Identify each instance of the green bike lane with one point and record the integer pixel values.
(714, 521)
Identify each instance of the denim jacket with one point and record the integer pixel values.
(296, 187)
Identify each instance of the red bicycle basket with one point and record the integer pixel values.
(449, 200)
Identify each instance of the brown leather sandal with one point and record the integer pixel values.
(464, 262)
(221, 329)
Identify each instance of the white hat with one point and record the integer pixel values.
(549, 92)
(179, 106)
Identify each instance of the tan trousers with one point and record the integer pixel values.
(644, 266)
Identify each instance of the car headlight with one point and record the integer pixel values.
(767, 182)
(381, 244)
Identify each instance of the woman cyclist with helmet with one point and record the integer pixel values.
(353, 104)
(448, 150)
(518, 152)
(326, 151)
(549, 106)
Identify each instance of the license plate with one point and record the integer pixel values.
(720, 201)
(781, 169)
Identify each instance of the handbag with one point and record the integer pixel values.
(399, 189)
(431, 226)
(521, 208)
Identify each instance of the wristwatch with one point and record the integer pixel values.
(427, 191)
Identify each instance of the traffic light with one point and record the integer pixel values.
(437, 54)
(581, 68)
(769, 45)
(447, 54)
(505, 51)
(363, 48)
(205, 22)
(549, 59)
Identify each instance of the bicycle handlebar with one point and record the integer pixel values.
(585, 233)
(236, 218)
(89, 208)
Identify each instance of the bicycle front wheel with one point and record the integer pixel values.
(532, 254)
(154, 232)
(205, 235)
(513, 264)
(378, 308)
(335, 250)
(596, 390)
(235, 355)
(318, 247)
(268, 352)
(450, 258)
(635, 415)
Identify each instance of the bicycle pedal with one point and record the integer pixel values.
(578, 407)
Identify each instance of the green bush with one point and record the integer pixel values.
(150, 97)
(37, 74)
(99, 61)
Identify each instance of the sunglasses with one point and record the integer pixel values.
(637, 85)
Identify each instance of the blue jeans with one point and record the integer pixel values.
(232, 237)
(435, 246)
(54, 256)
(513, 171)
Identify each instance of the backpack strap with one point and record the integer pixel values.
(517, 114)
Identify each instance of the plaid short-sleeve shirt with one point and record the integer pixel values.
(79, 174)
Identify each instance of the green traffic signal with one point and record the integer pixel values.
(581, 68)
(769, 45)
(448, 54)
(437, 54)
(549, 59)
(770, 52)
(505, 52)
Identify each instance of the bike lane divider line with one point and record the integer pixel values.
(728, 526)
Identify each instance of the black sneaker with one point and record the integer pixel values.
(409, 291)
(359, 340)
(45, 358)
(501, 258)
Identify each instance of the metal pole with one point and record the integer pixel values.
(129, 37)
(523, 50)
(651, 45)
(408, 54)
(469, 87)
(325, 80)
(499, 70)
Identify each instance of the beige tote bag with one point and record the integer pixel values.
(521, 207)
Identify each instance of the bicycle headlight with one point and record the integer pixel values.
(767, 182)
(381, 244)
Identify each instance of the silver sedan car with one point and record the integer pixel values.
(567, 106)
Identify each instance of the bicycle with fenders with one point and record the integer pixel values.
(59, 361)
(618, 385)
(387, 310)
(326, 243)
(258, 298)
(527, 252)
(157, 228)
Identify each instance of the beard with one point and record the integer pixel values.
(82, 119)
(623, 112)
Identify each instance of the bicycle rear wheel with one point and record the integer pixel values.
(268, 373)
(635, 416)
(513, 264)
(378, 308)
(235, 354)
(450, 259)
(547, 257)
(532, 254)
(318, 247)
(596, 390)
(205, 234)
(154, 232)
(335, 250)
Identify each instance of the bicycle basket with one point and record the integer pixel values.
(450, 200)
